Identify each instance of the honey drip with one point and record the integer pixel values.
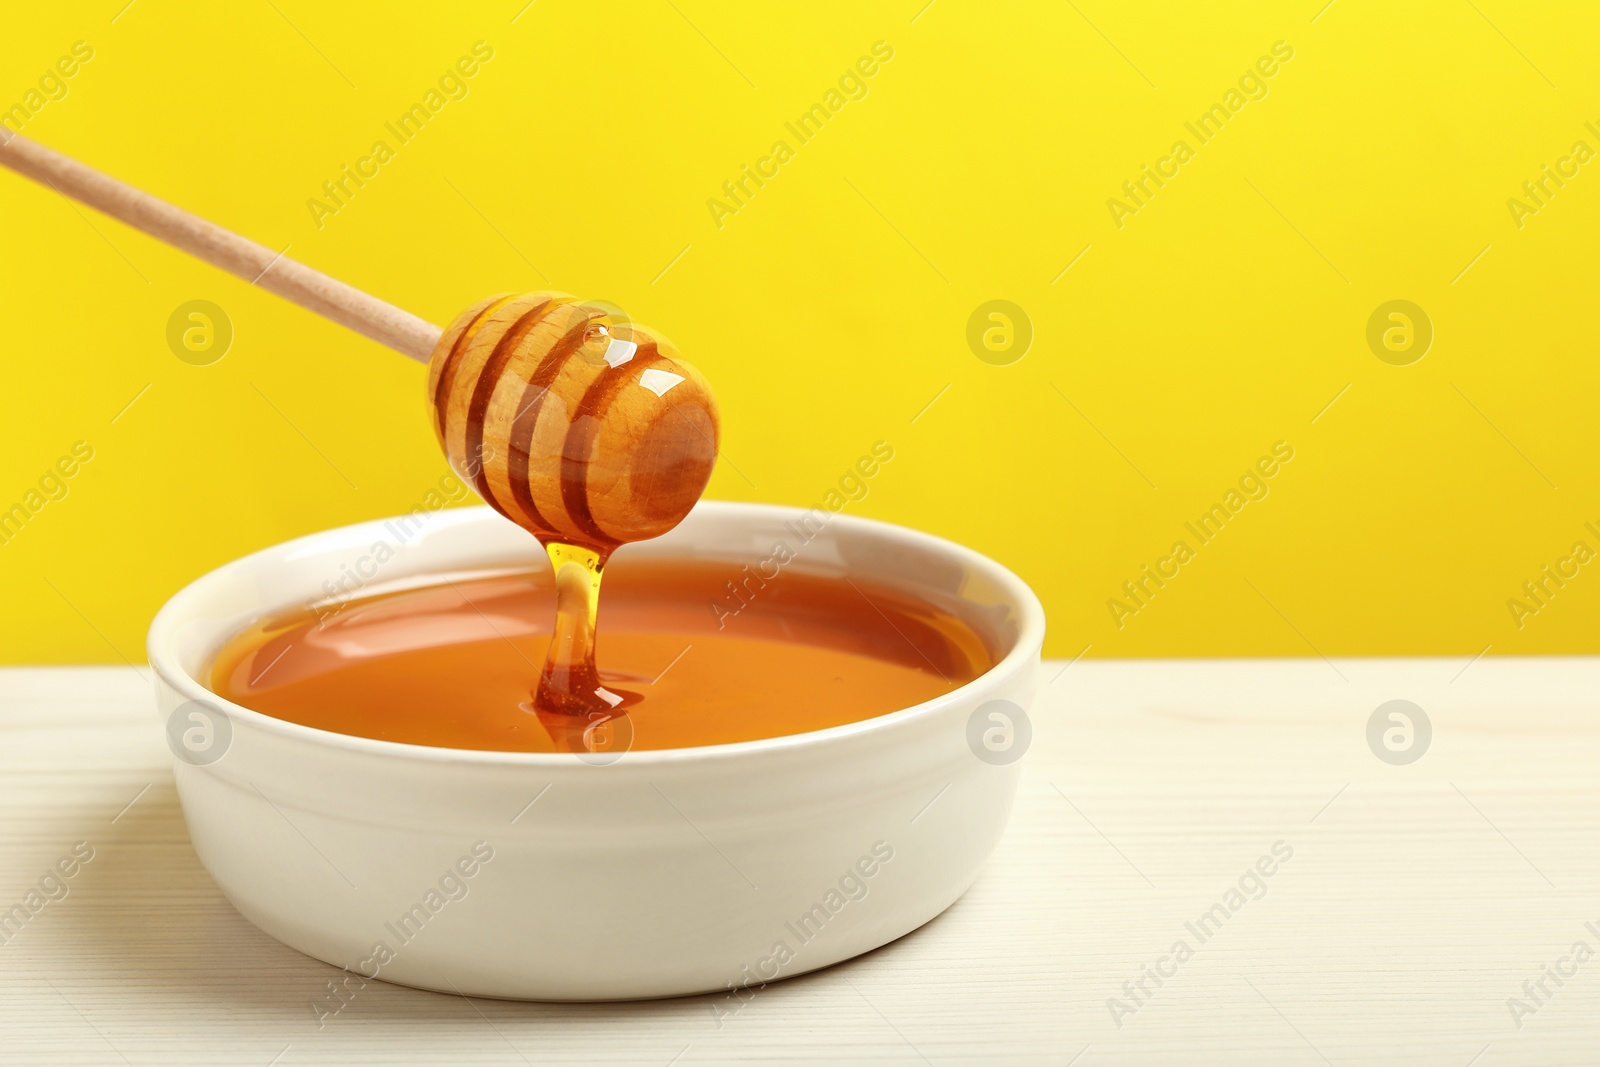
(571, 701)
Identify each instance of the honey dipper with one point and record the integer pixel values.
(578, 425)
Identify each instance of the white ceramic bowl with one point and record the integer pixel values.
(664, 873)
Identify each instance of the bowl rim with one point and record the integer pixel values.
(161, 650)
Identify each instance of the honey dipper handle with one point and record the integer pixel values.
(256, 264)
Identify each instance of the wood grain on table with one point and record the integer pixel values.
(1417, 902)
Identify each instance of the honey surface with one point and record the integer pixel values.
(456, 664)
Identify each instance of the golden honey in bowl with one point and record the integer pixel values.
(455, 664)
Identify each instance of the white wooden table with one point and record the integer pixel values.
(1419, 898)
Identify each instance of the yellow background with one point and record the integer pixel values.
(832, 308)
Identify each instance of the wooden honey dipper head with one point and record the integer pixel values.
(573, 422)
